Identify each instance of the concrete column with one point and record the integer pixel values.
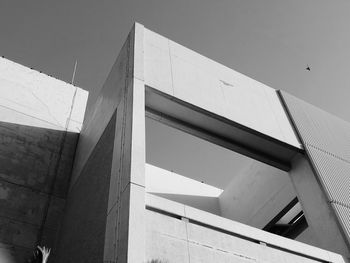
(320, 216)
(125, 227)
(106, 204)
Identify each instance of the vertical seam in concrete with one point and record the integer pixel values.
(289, 117)
(171, 69)
(274, 115)
(121, 167)
(187, 241)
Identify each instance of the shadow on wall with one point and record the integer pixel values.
(35, 168)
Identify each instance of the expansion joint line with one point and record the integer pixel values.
(122, 150)
(186, 221)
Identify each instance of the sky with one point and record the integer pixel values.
(272, 41)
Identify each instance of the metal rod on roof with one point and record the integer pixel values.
(74, 71)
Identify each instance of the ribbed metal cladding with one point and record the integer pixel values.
(326, 140)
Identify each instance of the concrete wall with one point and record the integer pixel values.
(256, 194)
(35, 168)
(173, 240)
(35, 99)
(195, 79)
(39, 120)
(109, 166)
(185, 234)
(83, 230)
(181, 189)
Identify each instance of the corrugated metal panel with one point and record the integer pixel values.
(334, 174)
(326, 140)
(319, 128)
(344, 214)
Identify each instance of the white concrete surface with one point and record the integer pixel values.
(182, 189)
(29, 97)
(168, 238)
(159, 180)
(246, 198)
(193, 78)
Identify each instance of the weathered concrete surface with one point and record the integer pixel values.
(35, 168)
(99, 114)
(173, 240)
(107, 223)
(125, 229)
(193, 78)
(38, 115)
(83, 229)
(29, 97)
(164, 224)
(29, 157)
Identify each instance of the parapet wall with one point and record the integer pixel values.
(40, 120)
(31, 98)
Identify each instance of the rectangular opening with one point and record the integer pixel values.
(190, 170)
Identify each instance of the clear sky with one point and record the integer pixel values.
(270, 41)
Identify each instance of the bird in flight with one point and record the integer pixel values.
(308, 68)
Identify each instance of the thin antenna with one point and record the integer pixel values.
(75, 69)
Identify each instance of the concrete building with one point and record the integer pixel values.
(180, 159)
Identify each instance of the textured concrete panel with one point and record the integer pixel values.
(32, 98)
(55, 212)
(129, 228)
(99, 114)
(158, 64)
(21, 203)
(83, 229)
(36, 157)
(175, 240)
(319, 128)
(35, 168)
(327, 143)
(166, 238)
(195, 79)
(17, 233)
(223, 228)
(334, 174)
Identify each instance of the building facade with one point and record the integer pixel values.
(267, 181)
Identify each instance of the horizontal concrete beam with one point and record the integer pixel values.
(188, 76)
(246, 232)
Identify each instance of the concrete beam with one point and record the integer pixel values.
(318, 212)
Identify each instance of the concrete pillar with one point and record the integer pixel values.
(318, 212)
(104, 219)
(125, 227)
